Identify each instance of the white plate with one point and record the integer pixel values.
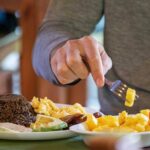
(42, 135)
(80, 129)
(38, 135)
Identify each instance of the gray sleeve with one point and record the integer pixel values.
(65, 19)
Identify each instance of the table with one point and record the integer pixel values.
(64, 144)
(75, 143)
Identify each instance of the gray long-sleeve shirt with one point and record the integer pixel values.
(126, 40)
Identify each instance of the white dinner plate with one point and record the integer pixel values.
(80, 129)
(38, 135)
(51, 135)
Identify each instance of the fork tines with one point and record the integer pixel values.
(118, 88)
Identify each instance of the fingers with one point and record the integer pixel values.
(61, 70)
(94, 60)
(75, 62)
(76, 58)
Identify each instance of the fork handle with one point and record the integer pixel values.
(108, 82)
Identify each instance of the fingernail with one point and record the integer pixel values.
(99, 83)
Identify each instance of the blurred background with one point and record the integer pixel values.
(19, 22)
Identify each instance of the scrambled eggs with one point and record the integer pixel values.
(46, 107)
(139, 122)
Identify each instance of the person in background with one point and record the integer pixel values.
(65, 52)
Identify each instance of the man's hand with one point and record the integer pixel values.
(77, 58)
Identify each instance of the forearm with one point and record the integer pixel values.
(60, 25)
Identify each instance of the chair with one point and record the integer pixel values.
(31, 14)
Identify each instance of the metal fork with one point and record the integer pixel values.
(118, 88)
